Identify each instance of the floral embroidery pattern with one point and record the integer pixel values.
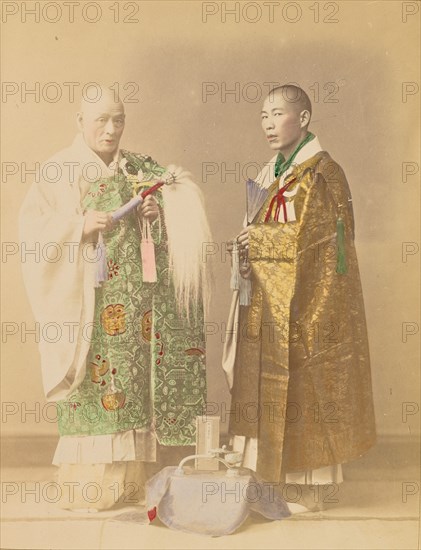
(147, 326)
(113, 319)
(101, 189)
(113, 397)
(98, 369)
(113, 269)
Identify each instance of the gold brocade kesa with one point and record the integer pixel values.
(302, 357)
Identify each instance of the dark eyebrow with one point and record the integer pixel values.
(274, 109)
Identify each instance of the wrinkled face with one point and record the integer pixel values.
(282, 123)
(102, 124)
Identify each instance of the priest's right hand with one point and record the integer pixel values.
(97, 221)
(230, 245)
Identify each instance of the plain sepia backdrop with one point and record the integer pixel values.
(200, 78)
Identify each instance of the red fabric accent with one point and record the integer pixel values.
(152, 189)
(280, 200)
(152, 514)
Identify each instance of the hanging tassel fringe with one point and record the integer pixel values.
(340, 240)
(237, 282)
(147, 251)
(245, 292)
(235, 268)
(101, 274)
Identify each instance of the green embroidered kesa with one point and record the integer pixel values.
(146, 364)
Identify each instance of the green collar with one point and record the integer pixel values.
(281, 165)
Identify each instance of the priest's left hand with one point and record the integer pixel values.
(149, 209)
(243, 237)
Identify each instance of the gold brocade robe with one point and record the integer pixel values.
(302, 382)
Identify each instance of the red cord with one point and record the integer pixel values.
(279, 199)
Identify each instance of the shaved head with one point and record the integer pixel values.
(105, 96)
(293, 95)
(285, 116)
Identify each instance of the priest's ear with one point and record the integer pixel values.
(305, 118)
(79, 121)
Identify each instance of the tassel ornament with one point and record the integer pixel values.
(237, 281)
(147, 251)
(235, 267)
(245, 292)
(101, 274)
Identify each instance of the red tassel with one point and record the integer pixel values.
(147, 251)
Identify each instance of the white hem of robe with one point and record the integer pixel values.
(248, 447)
(137, 444)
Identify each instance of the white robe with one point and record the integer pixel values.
(62, 293)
